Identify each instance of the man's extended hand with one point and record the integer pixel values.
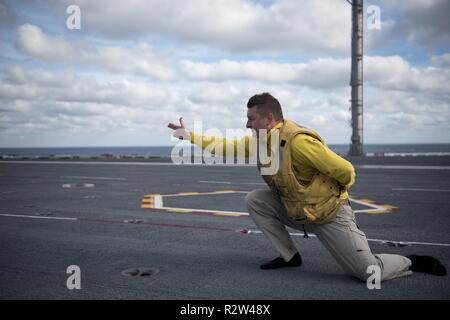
(180, 131)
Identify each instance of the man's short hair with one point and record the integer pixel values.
(266, 103)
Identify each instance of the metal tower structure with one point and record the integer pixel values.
(356, 78)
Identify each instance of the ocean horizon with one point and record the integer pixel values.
(165, 151)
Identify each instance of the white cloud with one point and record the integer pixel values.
(37, 84)
(30, 98)
(405, 117)
(32, 40)
(322, 73)
(393, 88)
(391, 72)
(141, 59)
(233, 25)
(395, 73)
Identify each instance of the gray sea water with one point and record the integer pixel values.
(165, 151)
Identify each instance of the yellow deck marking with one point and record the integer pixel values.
(228, 214)
(179, 210)
(155, 201)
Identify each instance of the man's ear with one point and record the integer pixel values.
(270, 118)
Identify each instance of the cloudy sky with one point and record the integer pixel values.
(134, 66)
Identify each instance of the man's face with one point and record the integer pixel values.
(256, 121)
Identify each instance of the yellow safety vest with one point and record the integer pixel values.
(317, 202)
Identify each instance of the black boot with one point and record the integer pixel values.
(296, 261)
(427, 264)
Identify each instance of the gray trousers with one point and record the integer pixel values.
(342, 237)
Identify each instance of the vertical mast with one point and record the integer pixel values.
(356, 80)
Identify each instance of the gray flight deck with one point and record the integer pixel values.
(50, 220)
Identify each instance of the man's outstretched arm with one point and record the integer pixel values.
(215, 145)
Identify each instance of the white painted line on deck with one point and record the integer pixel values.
(92, 163)
(255, 183)
(123, 163)
(229, 182)
(157, 201)
(403, 167)
(201, 193)
(420, 189)
(248, 231)
(216, 182)
(237, 213)
(400, 167)
(368, 239)
(36, 217)
(92, 178)
(374, 206)
(412, 242)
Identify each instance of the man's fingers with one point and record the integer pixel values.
(173, 126)
(176, 126)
